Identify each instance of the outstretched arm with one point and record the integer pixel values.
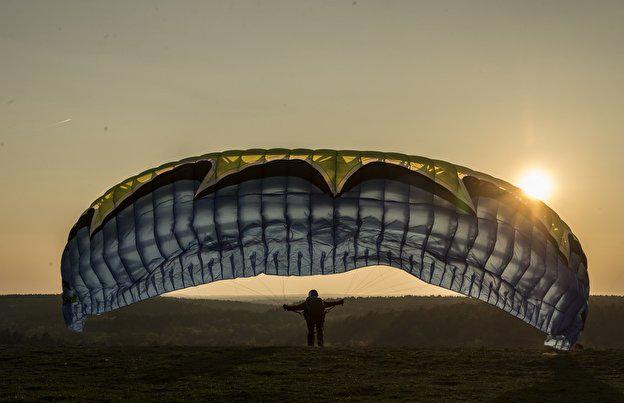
(329, 304)
(295, 307)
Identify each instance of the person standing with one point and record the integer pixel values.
(314, 310)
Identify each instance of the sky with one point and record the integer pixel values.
(93, 92)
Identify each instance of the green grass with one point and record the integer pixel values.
(302, 374)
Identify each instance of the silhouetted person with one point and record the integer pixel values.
(314, 310)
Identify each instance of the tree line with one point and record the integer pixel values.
(429, 322)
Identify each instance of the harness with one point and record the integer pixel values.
(324, 313)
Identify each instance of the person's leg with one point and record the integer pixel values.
(319, 333)
(310, 332)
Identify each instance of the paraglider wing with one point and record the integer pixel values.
(307, 212)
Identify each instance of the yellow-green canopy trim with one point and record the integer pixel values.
(335, 167)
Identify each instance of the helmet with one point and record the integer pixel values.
(313, 293)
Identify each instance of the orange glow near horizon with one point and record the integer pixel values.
(511, 89)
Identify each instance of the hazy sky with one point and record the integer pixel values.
(93, 92)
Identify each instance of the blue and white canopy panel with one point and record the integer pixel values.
(309, 212)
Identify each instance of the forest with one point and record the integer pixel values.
(408, 321)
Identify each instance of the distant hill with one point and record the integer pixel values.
(373, 321)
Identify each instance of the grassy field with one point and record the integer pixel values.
(299, 373)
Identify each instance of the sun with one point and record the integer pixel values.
(537, 184)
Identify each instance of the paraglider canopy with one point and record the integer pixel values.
(304, 212)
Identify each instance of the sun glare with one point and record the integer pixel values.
(537, 184)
